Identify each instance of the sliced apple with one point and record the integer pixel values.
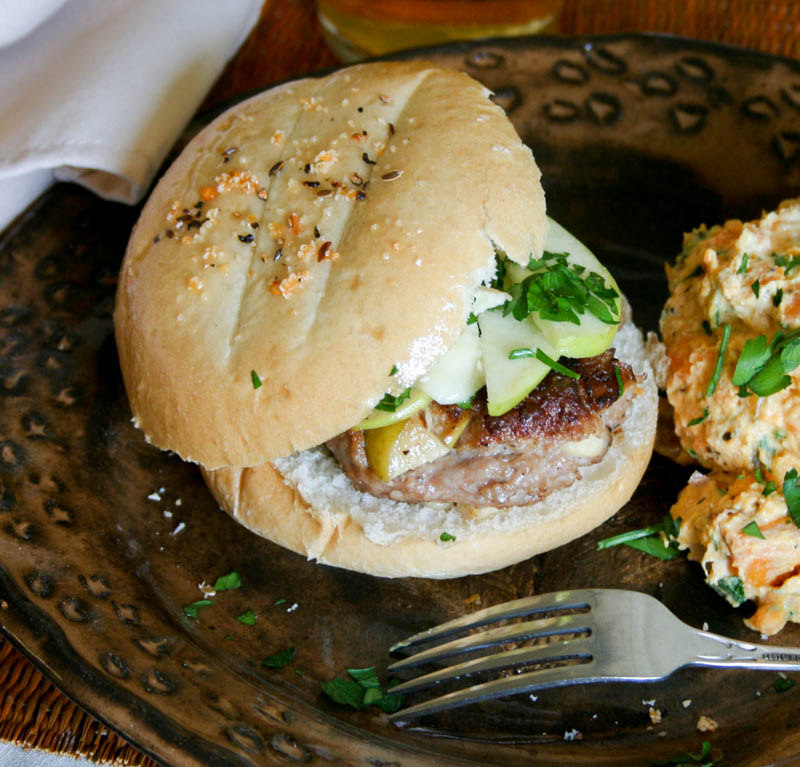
(509, 381)
(457, 375)
(377, 419)
(487, 298)
(592, 336)
(400, 447)
(448, 431)
(515, 272)
(474, 360)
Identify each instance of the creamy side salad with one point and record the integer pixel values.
(731, 330)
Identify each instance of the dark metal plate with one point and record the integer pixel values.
(639, 138)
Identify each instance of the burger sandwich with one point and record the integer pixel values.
(345, 302)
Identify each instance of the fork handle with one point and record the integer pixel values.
(777, 661)
(731, 653)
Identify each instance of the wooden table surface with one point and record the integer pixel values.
(287, 43)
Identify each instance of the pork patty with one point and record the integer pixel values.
(517, 458)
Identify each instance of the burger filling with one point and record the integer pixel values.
(529, 393)
(510, 460)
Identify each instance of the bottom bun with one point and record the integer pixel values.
(307, 504)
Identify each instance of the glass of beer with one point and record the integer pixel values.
(358, 29)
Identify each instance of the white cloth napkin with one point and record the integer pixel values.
(96, 91)
(15, 756)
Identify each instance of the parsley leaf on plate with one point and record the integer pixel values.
(228, 582)
(658, 540)
(190, 611)
(248, 617)
(363, 689)
(279, 659)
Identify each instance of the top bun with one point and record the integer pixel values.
(312, 239)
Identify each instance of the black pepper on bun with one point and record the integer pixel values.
(305, 310)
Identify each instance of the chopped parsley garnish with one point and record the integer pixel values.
(280, 601)
(778, 297)
(752, 529)
(560, 291)
(521, 354)
(620, 382)
(762, 367)
(348, 692)
(366, 677)
(390, 403)
(787, 263)
(466, 404)
(500, 270)
(688, 759)
(518, 354)
(362, 689)
(557, 366)
(755, 354)
(756, 286)
(783, 683)
(190, 611)
(791, 492)
(712, 384)
(393, 371)
(446, 537)
(769, 488)
(256, 380)
(279, 659)
(650, 539)
(700, 418)
(472, 319)
(655, 547)
(228, 582)
(743, 265)
(248, 617)
(731, 588)
(372, 695)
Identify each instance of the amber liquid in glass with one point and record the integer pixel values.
(356, 29)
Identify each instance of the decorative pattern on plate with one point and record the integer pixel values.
(104, 540)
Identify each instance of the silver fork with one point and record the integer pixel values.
(626, 636)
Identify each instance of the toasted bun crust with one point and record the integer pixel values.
(209, 298)
(305, 503)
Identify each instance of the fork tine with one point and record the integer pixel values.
(531, 681)
(566, 649)
(517, 608)
(561, 624)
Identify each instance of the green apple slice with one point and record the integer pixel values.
(515, 272)
(509, 381)
(487, 298)
(400, 447)
(457, 375)
(592, 336)
(378, 418)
